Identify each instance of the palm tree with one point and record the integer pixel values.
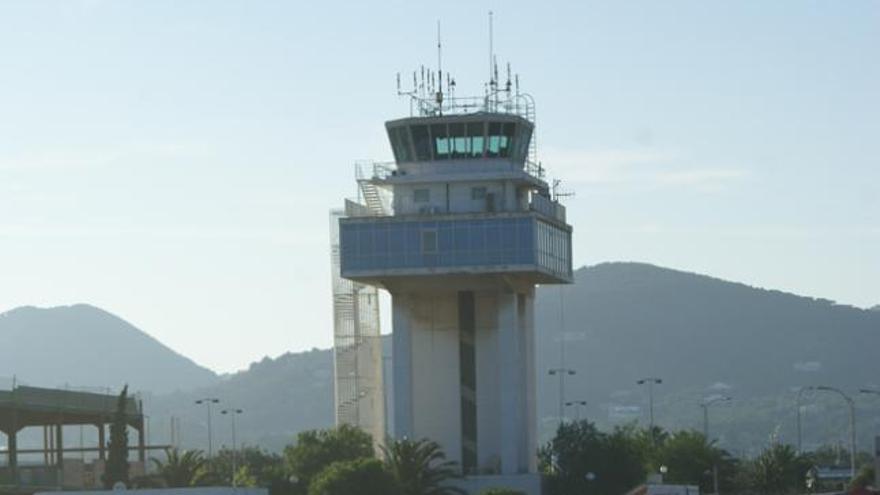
(420, 467)
(181, 469)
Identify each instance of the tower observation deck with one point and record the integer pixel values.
(459, 229)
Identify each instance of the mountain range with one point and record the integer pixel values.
(618, 323)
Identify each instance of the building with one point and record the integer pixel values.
(459, 229)
(60, 466)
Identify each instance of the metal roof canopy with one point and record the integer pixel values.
(34, 406)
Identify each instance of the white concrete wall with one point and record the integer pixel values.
(460, 197)
(436, 388)
(426, 364)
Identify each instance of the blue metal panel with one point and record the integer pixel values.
(387, 243)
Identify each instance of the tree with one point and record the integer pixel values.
(581, 459)
(317, 449)
(181, 469)
(361, 476)
(265, 468)
(420, 467)
(116, 470)
(778, 471)
(690, 459)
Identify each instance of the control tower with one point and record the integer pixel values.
(459, 229)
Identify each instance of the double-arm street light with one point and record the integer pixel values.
(799, 405)
(232, 414)
(650, 382)
(705, 405)
(207, 401)
(561, 373)
(852, 425)
(577, 409)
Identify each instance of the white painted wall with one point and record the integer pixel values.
(488, 407)
(435, 384)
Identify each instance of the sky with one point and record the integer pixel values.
(174, 161)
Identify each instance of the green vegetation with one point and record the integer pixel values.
(582, 459)
(117, 455)
(181, 469)
(420, 467)
(362, 476)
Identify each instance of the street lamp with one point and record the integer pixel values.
(577, 404)
(705, 405)
(207, 401)
(852, 425)
(799, 406)
(561, 372)
(650, 381)
(232, 414)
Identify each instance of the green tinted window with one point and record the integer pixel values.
(505, 142)
(477, 140)
(442, 148)
(494, 140)
(458, 141)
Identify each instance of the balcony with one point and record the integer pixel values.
(523, 243)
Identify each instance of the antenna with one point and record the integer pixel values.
(491, 53)
(558, 193)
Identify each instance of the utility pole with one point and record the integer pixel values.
(852, 426)
(207, 401)
(650, 381)
(561, 372)
(232, 414)
(799, 405)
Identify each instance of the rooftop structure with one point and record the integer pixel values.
(52, 410)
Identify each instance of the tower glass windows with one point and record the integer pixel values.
(421, 142)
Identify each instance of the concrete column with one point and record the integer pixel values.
(59, 446)
(510, 386)
(102, 444)
(142, 452)
(527, 325)
(12, 453)
(401, 348)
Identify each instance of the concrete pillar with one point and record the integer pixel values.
(401, 343)
(510, 386)
(102, 444)
(527, 326)
(12, 454)
(59, 446)
(142, 451)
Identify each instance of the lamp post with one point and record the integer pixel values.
(650, 381)
(577, 404)
(799, 406)
(705, 405)
(207, 401)
(561, 372)
(852, 425)
(232, 414)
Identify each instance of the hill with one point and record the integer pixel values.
(704, 336)
(82, 345)
(279, 397)
(624, 321)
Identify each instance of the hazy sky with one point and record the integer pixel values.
(173, 161)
